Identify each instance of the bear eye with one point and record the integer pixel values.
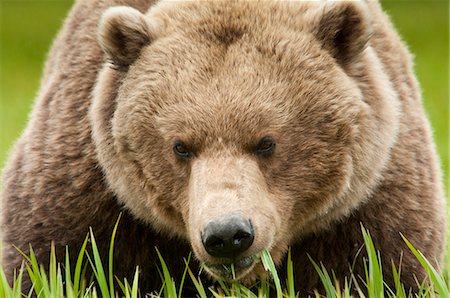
(181, 151)
(265, 147)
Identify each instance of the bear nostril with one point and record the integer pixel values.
(239, 237)
(214, 242)
(227, 237)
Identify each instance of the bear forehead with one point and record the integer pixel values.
(224, 92)
(231, 100)
(227, 21)
(232, 120)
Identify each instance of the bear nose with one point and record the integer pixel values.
(227, 237)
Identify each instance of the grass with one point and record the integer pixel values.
(60, 280)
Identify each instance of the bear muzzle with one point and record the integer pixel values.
(228, 240)
(232, 217)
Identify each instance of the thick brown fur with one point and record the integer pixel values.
(331, 83)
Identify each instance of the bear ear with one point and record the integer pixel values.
(123, 31)
(344, 28)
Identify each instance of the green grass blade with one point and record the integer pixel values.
(263, 290)
(161, 289)
(121, 285)
(23, 254)
(52, 269)
(170, 288)
(135, 286)
(17, 286)
(270, 266)
(5, 289)
(86, 292)
(4, 285)
(236, 289)
(94, 293)
(180, 289)
(290, 276)
(78, 276)
(59, 282)
(198, 284)
(111, 257)
(31, 275)
(446, 273)
(45, 284)
(83, 282)
(247, 293)
(375, 283)
(68, 277)
(347, 288)
(127, 289)
(215, 294)
(399, 287)
(352, 267)
(233, 271)
(325, 278)
(35, 275)
(437, 280)
(358, 287)
(99, 272)
(224, 287)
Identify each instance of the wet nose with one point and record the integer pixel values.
(228, 236)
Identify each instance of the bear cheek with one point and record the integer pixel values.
(236, 192)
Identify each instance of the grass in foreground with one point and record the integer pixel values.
(60, 281)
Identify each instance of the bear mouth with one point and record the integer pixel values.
(231, 269)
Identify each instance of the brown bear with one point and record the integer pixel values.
(227, 127)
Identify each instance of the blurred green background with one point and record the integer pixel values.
(28, 27)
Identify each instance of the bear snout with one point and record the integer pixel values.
(232, 216)
(228, 236)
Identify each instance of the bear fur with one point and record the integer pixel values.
(127, 81)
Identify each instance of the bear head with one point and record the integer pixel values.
(241, 126)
